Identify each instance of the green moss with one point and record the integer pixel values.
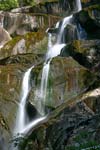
(6, 50)
(31, 38)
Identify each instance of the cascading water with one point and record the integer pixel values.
(22, 127)
(53, 51)
(65, 22)
(40, 95)
(21, 115)
(78, 4)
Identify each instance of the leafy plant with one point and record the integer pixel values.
(8, 4)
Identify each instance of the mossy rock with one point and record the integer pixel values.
(29, 43)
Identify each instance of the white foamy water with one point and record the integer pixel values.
(78, 4)
(21, 114)
(32, 124)
(66, 21)
(55, 51)
(40, 95)
(43, 90)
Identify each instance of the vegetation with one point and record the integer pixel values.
(8, 4)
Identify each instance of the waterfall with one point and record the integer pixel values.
(66, 21)
(22, 125)
(43, 89)
(21, 114)
(40, 94)
(78, 4)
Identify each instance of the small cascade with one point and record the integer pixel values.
(21, 115)
(78, 4)
(65, 22)
(43, 89)
(40, 95)
(33, 124)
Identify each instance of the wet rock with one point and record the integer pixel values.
(70, 33)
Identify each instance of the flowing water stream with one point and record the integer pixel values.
(21, 114)
(22, 124)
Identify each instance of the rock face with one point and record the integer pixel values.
(4, 37)
(73, 91)
(21, 23)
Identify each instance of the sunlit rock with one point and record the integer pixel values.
(4, 37)
(29, 43)
(22, 23)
